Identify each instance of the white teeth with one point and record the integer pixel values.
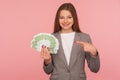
(65, 24)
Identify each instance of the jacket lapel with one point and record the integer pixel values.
(74, 51)
(61, 51)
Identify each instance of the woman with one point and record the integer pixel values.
(75, 47)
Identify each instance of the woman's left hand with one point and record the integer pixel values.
(88, 47)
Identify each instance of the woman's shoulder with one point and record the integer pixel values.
(82, 34)
(55, 34)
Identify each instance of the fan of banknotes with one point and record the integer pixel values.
(47, 40)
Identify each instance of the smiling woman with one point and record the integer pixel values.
(75, 47)
(21, 19)
(66, 21)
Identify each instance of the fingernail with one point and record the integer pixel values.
(42, 46)
(74, 41)
(48, 48)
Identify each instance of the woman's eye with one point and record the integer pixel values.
(69, 17)
(61, 17)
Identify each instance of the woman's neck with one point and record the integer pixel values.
(66, 31)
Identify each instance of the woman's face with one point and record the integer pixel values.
(66, 21)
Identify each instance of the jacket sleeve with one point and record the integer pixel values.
(48, 68)
(93, 62)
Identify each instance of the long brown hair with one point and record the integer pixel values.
(69, 7)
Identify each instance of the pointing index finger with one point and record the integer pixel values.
(80, 42)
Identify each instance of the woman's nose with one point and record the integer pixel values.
(65, 20)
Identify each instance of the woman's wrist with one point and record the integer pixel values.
(47, 61)
(94, 53)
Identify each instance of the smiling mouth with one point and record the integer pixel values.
(65, 25)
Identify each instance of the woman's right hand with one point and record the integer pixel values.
(45, 54)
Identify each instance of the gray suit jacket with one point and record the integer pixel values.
(75, 70)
